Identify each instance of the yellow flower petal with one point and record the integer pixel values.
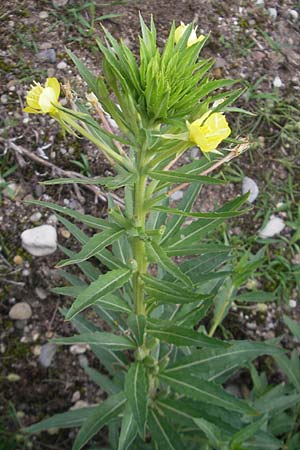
(209, 133)
(54, 84)
(179, 32)
(193, 39)
(46, 100)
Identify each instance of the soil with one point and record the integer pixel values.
(246, 43)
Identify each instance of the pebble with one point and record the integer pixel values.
(50, 72)
(59, 3)
(13, 377)
(62, 65)
(249, 185)
(195, 153)
(43, 15)
(251, 325)
(35, 217)
(294, 15)
(48, 55)
(40, 241)
(47, 354)
(277, 82)
(79, 404)
(4, 99)
(83, 361)
(52, 219)
(177, 195)
(220, 63)
(20, 311)
(260, 2)
(18, 260)
(272, 13)
(293, 303)
(65, 233)
(274, 226)
(79, 349)
(36, 350)
(41, 293)
(75, 397)
(45, 45)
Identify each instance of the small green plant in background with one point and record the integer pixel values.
(166, 369)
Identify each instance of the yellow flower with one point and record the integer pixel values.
(43, 100)
(179, 32)
(209, 131)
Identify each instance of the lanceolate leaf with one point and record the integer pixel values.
(102, 339)
(102, 415)
(177, 177)
(165, 292)
(163, 433)
(137, 323)
(113, 303)
(128, 429)
(207, 363)
(214, 435)
(97, 243)
(183, 336)
(104, 285)
(103, 381)
(68, 419)
(136, 390)
(204, 215)
(205, 391)
(247, 432)
(197, 249)
(93, 222)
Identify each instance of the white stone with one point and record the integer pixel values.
(52, 219)
(75, 397)
(79, 404)
(59, 3)
(43, 15)
(277, 82)
(41, 293)
(47, 354)
(177, 195)
(249, 185)
(78, 349)
(40, 241)
(35, 217)
(260, 2)
(293, 303)
(293, 14)
(272, 13)
(20, 311)
(274, 226)
(62, 65)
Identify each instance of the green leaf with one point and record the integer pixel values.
(255, 297)
(165, 292)
(88, 77)
(209, 363)
(137, 325)
(197, 249)
(205, 391)
(102, 339)
(128, 429)
(204, 215)
(68, 419)
(113, 303)
(110, 182)
(137, 393)
(291, 368)
(172, 176)
(71, 291)
(183, 336)
(97, 243)
(157, 255)
(163, 433)
(293, 326)
(104, 285)
(103, 381)
(211, 431)
(247, 432)
(93, 222)
(102, 415)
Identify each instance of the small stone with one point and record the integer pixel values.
(41, 293)
(13, 377)
(52, 431)
(43, 15)
(293, 303)
(20, 415)
(4, 99)
(277, 82)
(78, 349)
(40, 241)
(274, 226)
(47, 354)
(79, 404)
(251, 325)
(83, 361)
(220, 63)
(294, 15)
(260, 2)
(75, 397)
(36, 350)
(177, 195)
(59, 3)
(50, 72)
(20, 311)
(26, 272)
(48, 55)
(45, 45)
(62, 65)
(249, 185)
(35, 217)
(272, 13)
(18, 260)
(65, 233)
(52, 219)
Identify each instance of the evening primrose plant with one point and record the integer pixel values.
(165, 368)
